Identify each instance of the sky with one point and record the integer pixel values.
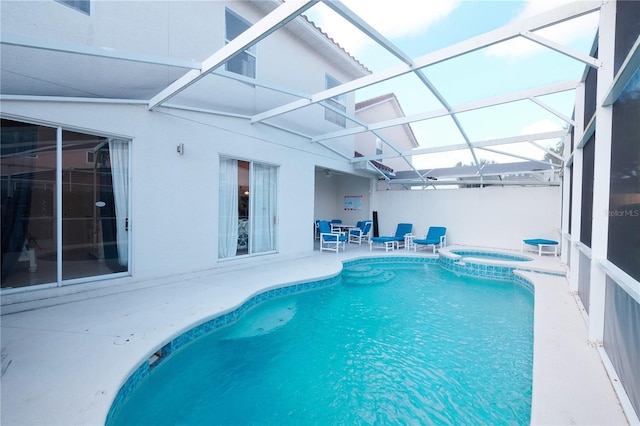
(419, 28)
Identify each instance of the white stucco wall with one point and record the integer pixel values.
(330, 193)
(494, 217)
(174, 209)
(174, 199)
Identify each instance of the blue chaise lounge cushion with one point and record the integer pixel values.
(434, 236)
(536, 241)
(401, 231)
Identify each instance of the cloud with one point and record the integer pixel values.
(540, 126)
(401, 18)
(392, 19)
(566, 33)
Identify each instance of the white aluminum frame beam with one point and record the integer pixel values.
(100, 52)
(259, 83)
(74, 99)
(586, 59)
(627, 69)
(522, 157)
(561, 14)
(469, 106)
(479, 144)
(589, 130)
(475, 175)
(258, 31)
(440, 182)
(547, 150)
(553, 111)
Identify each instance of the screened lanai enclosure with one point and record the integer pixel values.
(449, 124)
(146, 139)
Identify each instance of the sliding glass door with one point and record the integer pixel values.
(247, 208)
(65, 204)
(28, 167)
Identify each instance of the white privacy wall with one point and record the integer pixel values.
(494, 217)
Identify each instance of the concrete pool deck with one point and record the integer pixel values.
(64, 364)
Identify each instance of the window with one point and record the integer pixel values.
(338, 102)
(87, 234)
(243, 63)
(379, 147)
(81, 5)
(248, 210)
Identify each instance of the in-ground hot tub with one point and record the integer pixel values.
(490, 255)
(481, 262)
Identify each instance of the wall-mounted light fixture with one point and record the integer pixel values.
(180, 149)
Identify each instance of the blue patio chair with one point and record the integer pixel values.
(330, 240)
(392, 242)
(361, 232)
(436, 237)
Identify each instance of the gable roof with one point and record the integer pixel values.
(391, 98)
(310, 33)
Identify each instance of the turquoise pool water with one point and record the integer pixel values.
(393, 343)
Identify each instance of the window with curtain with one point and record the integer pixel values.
(243, 63)
(91, 235)
(247, 208)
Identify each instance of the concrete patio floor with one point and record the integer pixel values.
(64, 364)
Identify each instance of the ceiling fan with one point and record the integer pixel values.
(328, 173)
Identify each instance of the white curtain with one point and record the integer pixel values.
(228, 208)
(119, 159)
(264, 208)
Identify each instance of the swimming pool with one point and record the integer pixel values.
(391, 343)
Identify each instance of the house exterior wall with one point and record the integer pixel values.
(174, 198)
(494, 217)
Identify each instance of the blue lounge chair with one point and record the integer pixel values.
(542, 244)
(392, 242)
(436, 237)
(330, 240)
(361, 232)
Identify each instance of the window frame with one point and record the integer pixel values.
(61, 241)
(247, 248)
(338, 101)
(249, 52)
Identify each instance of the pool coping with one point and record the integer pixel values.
(78, 399)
